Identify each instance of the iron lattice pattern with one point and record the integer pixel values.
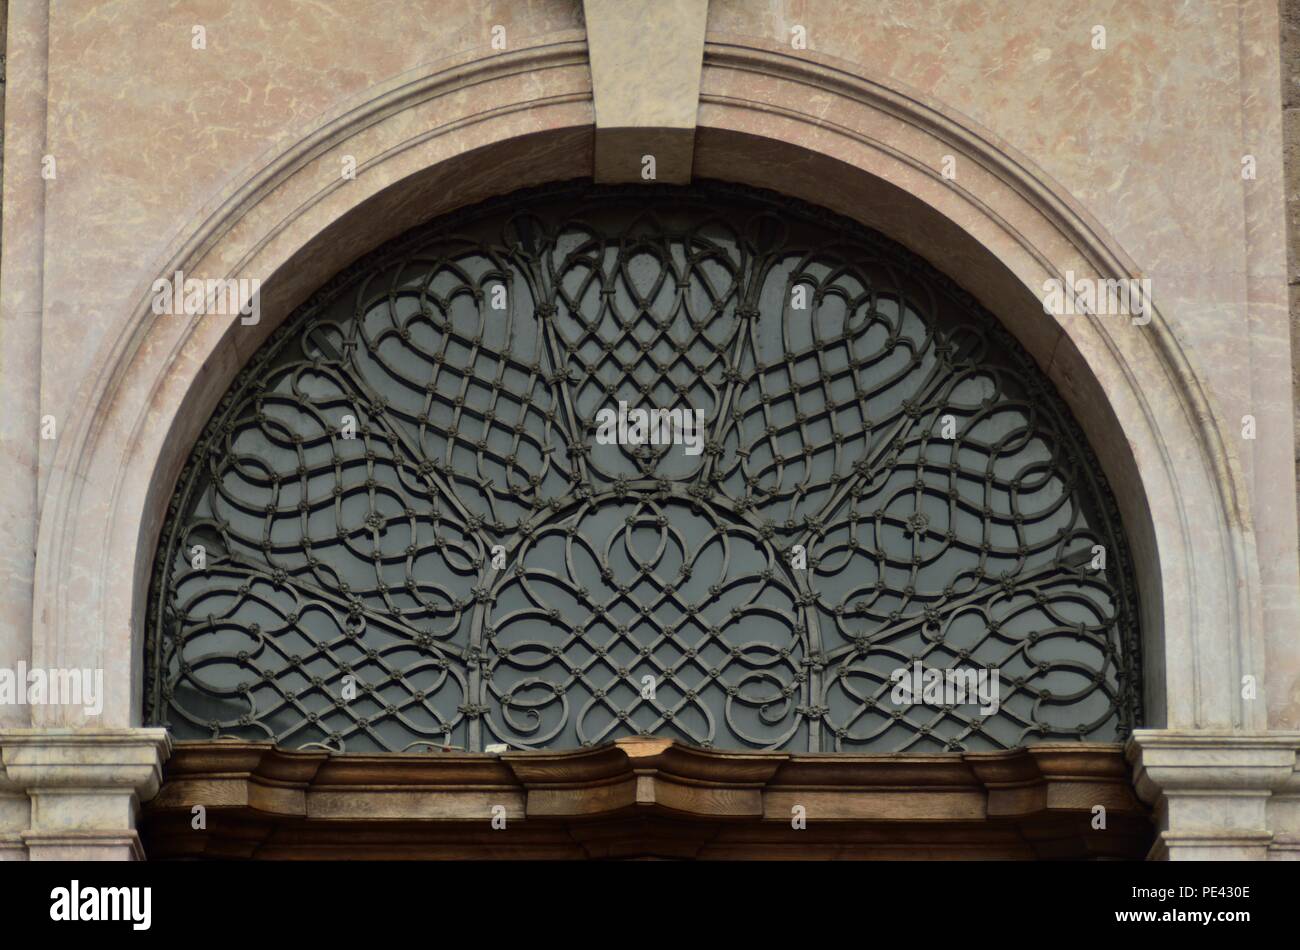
(400, 530)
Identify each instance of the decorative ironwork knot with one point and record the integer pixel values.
(917, 524)
(651, 497)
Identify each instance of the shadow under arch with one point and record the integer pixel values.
(808, 129)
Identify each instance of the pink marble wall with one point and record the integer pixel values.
(1147, 135)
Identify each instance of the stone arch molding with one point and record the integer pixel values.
(459, 131)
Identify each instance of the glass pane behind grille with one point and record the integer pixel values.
(405, 526)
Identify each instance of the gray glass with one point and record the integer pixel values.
(403, 527)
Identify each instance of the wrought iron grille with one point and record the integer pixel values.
(400, 530)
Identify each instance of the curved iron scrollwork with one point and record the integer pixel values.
(402, 527)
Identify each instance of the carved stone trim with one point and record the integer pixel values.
(1218, 796)
(645, 798)
(646, 57)
(118, 456)
(70, 794)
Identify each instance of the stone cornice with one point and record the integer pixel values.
(72, 759)
(73, 794)
(1167, 762)
(1215, 795)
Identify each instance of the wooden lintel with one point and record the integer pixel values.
(646, 798)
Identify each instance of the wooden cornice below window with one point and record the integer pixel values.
(640, 798)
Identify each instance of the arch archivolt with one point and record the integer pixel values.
(807, 126)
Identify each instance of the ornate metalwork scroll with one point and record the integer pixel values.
(401, 529)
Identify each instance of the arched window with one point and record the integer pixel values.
(700, 463)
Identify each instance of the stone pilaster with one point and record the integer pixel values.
(1218, 796)
(15, 818)
(83, 789)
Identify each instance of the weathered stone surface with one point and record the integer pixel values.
(1290, 14)
(1219, 796)
(85, 788)
(228, 160)
(645, 71)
